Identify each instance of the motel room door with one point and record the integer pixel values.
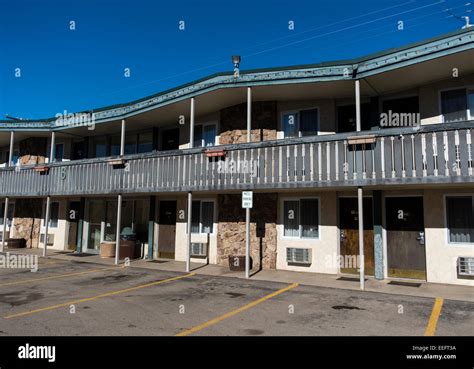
(349, 234)
(405, 237)
(167, 229)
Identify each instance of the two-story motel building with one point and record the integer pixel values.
(139, 164)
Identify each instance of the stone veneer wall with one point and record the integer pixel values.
(233, 123)
(27, 220)
(263, 234)
(27, 217)
(33, 150)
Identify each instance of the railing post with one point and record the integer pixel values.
(46, 225)
(119, 224)
(5, 220)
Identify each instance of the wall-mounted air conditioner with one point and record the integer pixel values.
(465, 265)
(298, 256)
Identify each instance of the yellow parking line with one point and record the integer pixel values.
(431, 327)
(56, 276)
(113, 293)
(236, 311)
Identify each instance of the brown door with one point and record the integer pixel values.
(405, 237)
(167, 229)
(349, 228)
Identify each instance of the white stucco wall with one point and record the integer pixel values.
(441, 256)
(61, 231)
(326, 246)
(182, 238)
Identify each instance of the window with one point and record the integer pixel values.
(53, 214)
(460, 218)
(59, 152)
(346, 118)
(300, 123)
(457, 104)
(11, 206)
(202, 217)
(145, 142)
(15, 157)
(205, 135)
(99, 147)
(301, 218)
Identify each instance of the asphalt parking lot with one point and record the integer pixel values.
(75, 298)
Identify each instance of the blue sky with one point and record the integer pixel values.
(74, 70)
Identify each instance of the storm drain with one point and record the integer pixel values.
(349, 279)
(406, 284)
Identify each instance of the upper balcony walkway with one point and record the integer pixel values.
(435, 154)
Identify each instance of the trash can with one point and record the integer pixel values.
(237, 263)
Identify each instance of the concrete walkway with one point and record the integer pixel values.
(433, 290)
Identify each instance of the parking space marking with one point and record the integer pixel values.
(433, 322)
(236, 311)
(57, 276)
(107, 294)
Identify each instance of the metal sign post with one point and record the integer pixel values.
(247, 203)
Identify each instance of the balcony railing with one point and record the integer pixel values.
(421, 155)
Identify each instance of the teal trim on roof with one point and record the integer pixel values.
(328, 71)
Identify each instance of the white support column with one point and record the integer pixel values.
(357, 93)
(360, 215)
(360, 198)
(119, 226)
(191, 125)
(249, 114)
(122, 138)
(247, 210)
(5, 221)
(10, 154)
(46, 225)
(188, 243)
(52, 151)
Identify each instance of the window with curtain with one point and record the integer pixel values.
(460, 218)
(145, 142)
(202, 217)
(471, 104)
(53, 214)
(291, 125)
(209, 135)
(309, 122)
(9, 215)
(454, 105)
(59, 152)
(301, 218)
(205, 135)
(291, 218)
(309, 218)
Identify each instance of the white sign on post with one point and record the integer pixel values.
(247, 199)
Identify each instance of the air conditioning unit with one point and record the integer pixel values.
(198, 249)
(298, 256)
(465, 265)
(50, 238)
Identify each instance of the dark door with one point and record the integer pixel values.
(405, 237)
(349, 228)
(78, 150)
(170, 139)
(346, 118)
(167, 229)
(73, 216)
